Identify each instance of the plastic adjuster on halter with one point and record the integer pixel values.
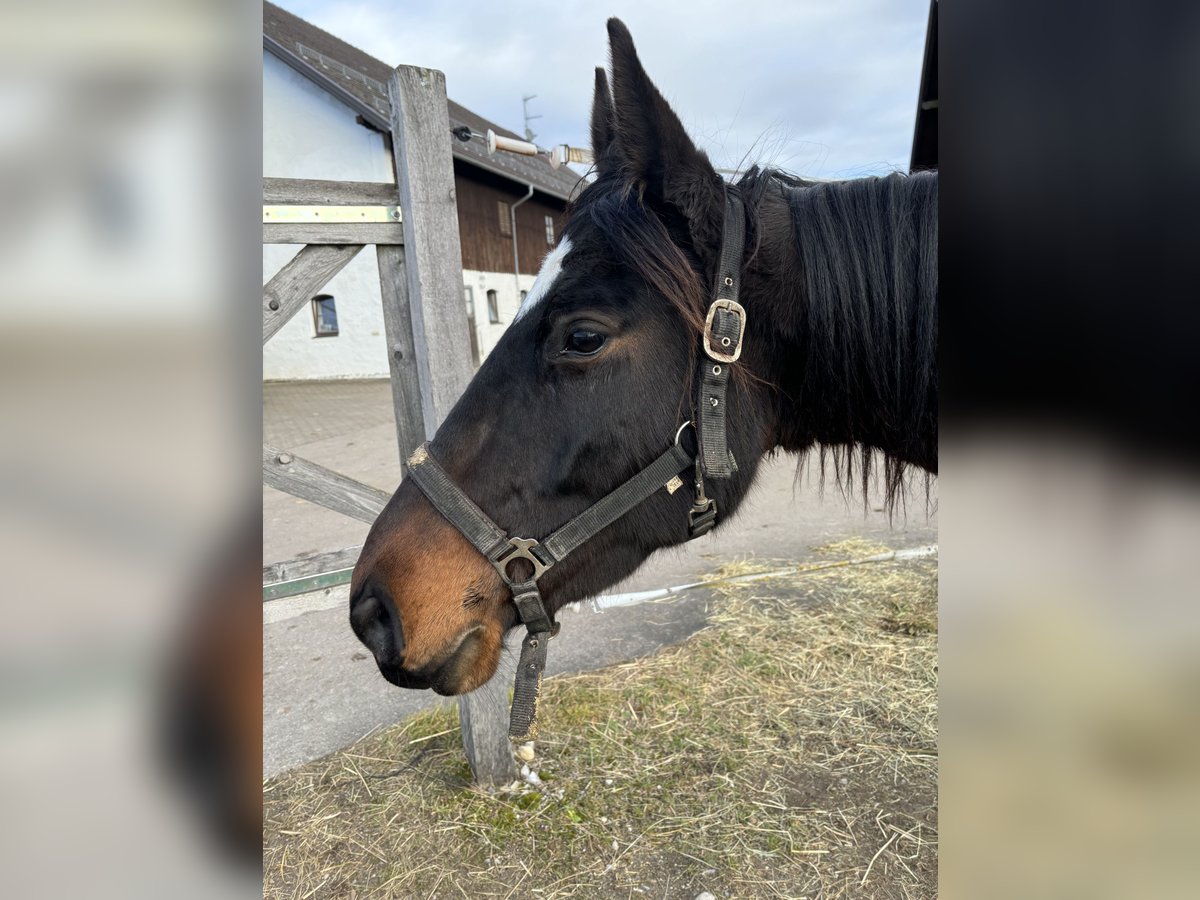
(532, 609)
(702, 518)
(724, 354)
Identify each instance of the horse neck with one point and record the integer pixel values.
(848, 273)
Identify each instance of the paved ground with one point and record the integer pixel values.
(321, 689)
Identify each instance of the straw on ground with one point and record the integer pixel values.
(789, 749)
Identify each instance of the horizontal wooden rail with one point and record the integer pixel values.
(309, 573)
(324, 487)
(334, 233)
(307, 191)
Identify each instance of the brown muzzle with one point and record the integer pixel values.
(425, 602)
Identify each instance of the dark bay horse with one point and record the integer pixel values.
(598, 372)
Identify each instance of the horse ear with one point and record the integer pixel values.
(602, 119)
(651, 143)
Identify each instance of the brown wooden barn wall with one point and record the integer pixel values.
(484, 247)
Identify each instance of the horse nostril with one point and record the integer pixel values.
(374, 621)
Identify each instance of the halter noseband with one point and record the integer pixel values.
(724, 328)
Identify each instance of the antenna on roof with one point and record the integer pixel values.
(529, 135)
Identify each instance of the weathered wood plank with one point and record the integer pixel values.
(294, 284)
(483, 720)
(325, 487)
(432, 252)
(313, 192)
(441, 343)
(333, 233)
(311, 565)
(402, 357)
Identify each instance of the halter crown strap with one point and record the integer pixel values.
(724, 327)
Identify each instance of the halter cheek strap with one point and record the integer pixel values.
(724, 328)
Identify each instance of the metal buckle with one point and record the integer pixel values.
(737, 309)
(520, 548)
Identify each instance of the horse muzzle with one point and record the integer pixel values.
(462, 666)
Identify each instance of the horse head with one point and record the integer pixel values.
(592, 380)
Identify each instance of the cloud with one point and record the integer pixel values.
(822, 89)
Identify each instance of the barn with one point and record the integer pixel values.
(925, 132)
(325, 116)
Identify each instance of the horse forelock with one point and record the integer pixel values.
(640, 241)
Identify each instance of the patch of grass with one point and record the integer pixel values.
(913, 616)
(851, 548)
(788, 749)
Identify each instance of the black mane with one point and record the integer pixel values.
(866, 287)
(858, 290)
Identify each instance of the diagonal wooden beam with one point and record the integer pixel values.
(295, 284)
(325, 487)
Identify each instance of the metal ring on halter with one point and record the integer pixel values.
(519, 548)
(680, 431)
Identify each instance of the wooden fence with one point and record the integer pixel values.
(414, 227)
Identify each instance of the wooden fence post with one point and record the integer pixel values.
(431, 287)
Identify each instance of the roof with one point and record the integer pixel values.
(925, 131)
(360, 80)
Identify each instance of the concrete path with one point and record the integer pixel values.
(321, 689)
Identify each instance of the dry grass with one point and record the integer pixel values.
(787, 750)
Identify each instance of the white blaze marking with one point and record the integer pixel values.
(546, 277)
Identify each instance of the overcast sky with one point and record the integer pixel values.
(821, 88)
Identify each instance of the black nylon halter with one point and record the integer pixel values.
(723, 330)
(501, 551)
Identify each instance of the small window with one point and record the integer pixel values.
(550, 230)
(493, 308)
(324, 316)
(505, 221)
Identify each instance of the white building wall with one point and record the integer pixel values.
(508, 301)
(309, 134)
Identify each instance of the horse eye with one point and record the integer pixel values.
(582, 342)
